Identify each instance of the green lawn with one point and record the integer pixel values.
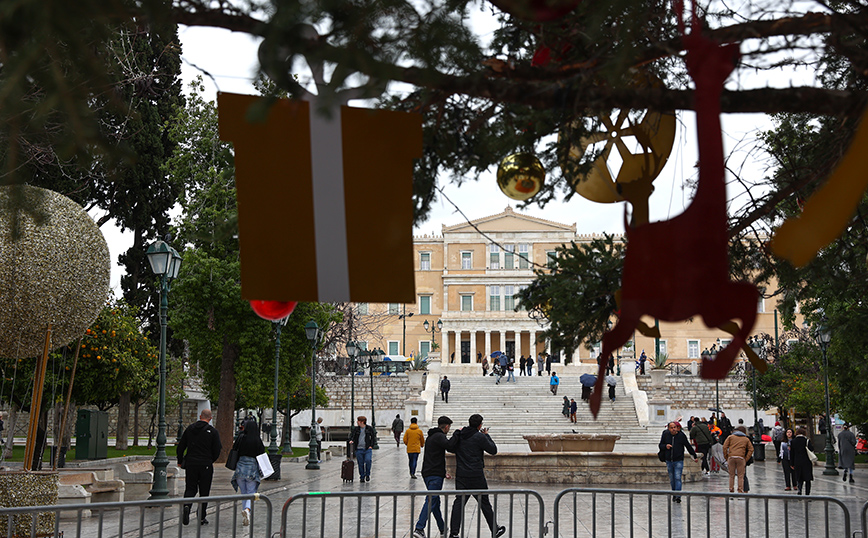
(18, 453)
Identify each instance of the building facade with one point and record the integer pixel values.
(467, 279)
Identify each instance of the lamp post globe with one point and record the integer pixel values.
(311, 331)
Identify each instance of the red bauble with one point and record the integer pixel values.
(273, 310)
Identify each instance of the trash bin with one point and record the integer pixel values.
(759, 451)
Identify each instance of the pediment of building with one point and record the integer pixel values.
(510, 221)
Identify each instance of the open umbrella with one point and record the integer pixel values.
(587, 380)
(611, 380)
(496, 354)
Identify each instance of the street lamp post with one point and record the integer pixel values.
(433, 330)
(353, 352)
(404, 317)
(824, 337)
(757, 345)
(311, 331)
(376, 356)
(165, 262)
(274, 448)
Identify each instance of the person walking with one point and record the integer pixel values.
(737, 449)
(777, 439)
(510, 367)
(787, 460)
(573, 408)
(610, 366)
(433, 473)
(702, 436)
(673, 442)
(413, 439)
(612, 392)
(800, 462)
(484, 366)
(847, 451)
(540, 363)
(445, 385)
(522, 364)
(397, 429)
(530, 365)
(642, 360)
(362, 442)
(246, 478)
(553, 383)
(566, 410)
(548, 363)
(469, 444)
(197, 451)
(320, 434)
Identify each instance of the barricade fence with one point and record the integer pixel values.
(150, 518)
(396, 513)
(575, 513)
(598, 513)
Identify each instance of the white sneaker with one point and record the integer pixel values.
(418, 534)
(245, 517)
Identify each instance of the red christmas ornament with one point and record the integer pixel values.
(273, 310)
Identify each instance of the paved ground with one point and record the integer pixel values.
(618, 513)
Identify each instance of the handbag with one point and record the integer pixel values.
(812, 456)
(662, 455)
(232, 460)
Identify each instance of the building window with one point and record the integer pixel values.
(466, 303)
(508, 256)
(424, 348)
(692, 349)
(663, 347)
(393, 309)
(524, 256)
(521, 307)
(424, 304)
(494, 298)
(424, 261)
(362, 309)
(596, 349)
(494, 257)
(467, 260)
(509, 298)
(551, 255)
(393, 347)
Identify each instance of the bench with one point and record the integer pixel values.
(97, 484)
(138, 476)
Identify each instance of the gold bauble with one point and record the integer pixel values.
(642, 140)
(520, 176)
(55, 273)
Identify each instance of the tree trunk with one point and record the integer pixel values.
(121, 438)
(10, 430)
(226, 409)
(136, 422)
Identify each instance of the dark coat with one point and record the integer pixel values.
(200, 444)
(701, 434)
(355, 433)
(469, 446)
(434, 463)
(799, 460)
(445, 385)
(679, 442)
(847, 449)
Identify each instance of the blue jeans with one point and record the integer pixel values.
(363, 458)
(674, 468)
(510, 376)
(432, 483)
(414, 457)
(247, 486)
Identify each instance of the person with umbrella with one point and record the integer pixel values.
(611, 381)
(587, 381)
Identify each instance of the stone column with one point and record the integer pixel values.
(472, 347)
(487, 343)
(444, 346)
(532, 344)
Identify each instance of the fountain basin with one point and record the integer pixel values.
(572, 442)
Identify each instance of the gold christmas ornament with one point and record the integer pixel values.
(55, 273)
(643, 141)
(520, 176)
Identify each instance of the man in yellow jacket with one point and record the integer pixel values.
(414, 439)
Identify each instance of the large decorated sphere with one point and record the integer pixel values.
(54, 273)
(520, 176)
(273, 310)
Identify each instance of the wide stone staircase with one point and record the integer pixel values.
(528, 407)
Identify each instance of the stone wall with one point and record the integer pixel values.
(390, 392)
(688, 391)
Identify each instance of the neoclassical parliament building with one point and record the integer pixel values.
(467, 279)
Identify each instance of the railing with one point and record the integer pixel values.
(580, 512)
(395, 513)
(135, 518)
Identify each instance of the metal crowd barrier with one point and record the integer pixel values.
(395, 513)
(580, 512)
(151, 518)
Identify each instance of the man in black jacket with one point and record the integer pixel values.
(469, 445)
(362, 441)
(198, 450)
(672, 444)
(445, 385)
(433, 473)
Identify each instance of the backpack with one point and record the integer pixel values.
(777, 433)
